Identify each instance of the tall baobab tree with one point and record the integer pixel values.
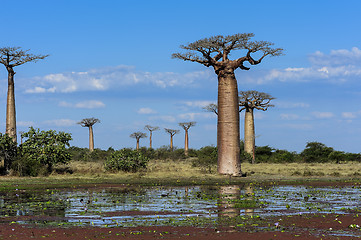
(150, 129)
(248, 101)
(171, 132)
(138, 136)
(89, 122)
(214, 52)
(186, 126)
(12, 57)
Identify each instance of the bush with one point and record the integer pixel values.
(41, 151)
(316, 152)
(207, 158)
(126, 160)
(8, 150)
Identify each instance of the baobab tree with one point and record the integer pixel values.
(89, 122)
(186, 126)
(138, 136)
(212, 107)
(12, 57)
(248, 101)
(171, 132)
(150, 129)
(214, 52)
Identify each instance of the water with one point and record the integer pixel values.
(176, 206)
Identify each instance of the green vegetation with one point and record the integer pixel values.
(126, 160)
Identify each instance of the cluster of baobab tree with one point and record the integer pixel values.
(185, 125)
(212, 52)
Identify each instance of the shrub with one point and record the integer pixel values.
(316, 152)
(126, 160)
(41, 151)
(207, 157)
(8, 150)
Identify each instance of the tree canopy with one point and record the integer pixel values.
(254, 100)
(15, 56)
(88, 122)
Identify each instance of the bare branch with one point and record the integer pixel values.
(88, 122)
(15, 56)
(150, 128)
(187, 125)
(211, 108)
(138, 135)
(171, 132)
(255, 100)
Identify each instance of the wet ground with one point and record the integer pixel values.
(197, 212)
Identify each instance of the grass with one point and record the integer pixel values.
(181, 172)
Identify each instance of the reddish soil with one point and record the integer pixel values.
(301, 227)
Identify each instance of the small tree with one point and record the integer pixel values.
(171, 132)
(215, 52)
(12, 57)
(211, 108)
(138, 136)
(43, 149)
(186, 126)
(150, 129)
(248, 101)
(8, 150)
(89, 122)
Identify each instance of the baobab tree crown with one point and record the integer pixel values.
(187, 125)
(214, 51)
(254, 100)
(14, 56)
(88, 122)
(138, 135)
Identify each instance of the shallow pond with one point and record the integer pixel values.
(176, 206)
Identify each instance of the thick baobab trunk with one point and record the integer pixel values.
(10, 107)
(91, 139)
(228, 138)
(249, 133)
(171, 143)
(137, 144)
(186, 143)
(150, 139)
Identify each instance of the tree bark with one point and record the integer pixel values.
(249, 134)
(150, 139)
(10, 107)
(91, 139)
(171, 143)
(186, 143)
(137, 144)
(228, 137)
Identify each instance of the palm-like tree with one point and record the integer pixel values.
(214, 52)
(150, 129)
(138, 136)
(186, 126)
(248, 101)
(12, 57)
(171, 132)
(89, 122)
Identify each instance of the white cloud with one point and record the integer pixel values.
(61, 122)
(322, 115)
(194, 116)
(146, 111)
(286, 116)
(199, 104)
(91, 104)
(299, 126)
(101, 79)
(291, 104)
(24, 123)
(337, 67)
(165, 118)
(349, 115)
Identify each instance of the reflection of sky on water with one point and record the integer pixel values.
(108, 207)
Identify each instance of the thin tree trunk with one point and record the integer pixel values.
(137, 144)
(186, 143)
(171, 143)
(150, 139)
(91, 139)
(228, 138)
(10, 107)
(249, 134)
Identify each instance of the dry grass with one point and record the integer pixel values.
(163, 169)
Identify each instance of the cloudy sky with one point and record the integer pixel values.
(112, 60)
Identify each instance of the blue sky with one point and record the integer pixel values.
(112, 60)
